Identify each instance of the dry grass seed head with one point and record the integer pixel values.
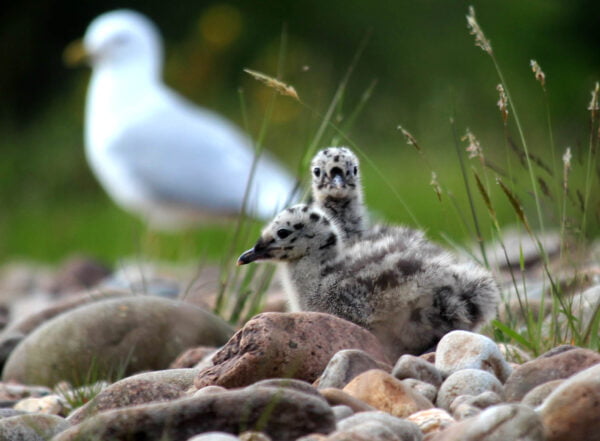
(410, 140)
(474, 29)
(436, 185)
(538, 73)
(474, 148)
(502, 102)
(279, 86)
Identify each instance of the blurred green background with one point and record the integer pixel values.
(425, 64)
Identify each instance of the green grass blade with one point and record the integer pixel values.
(463, 171)
(512, 334)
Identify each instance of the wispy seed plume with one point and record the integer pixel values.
(474, 29)
(502, 102)
(474, 148)
(279, 86)
(538, 73)
(410, 140)
(436, 185)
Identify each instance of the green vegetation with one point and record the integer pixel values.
(471, 168)
(418, 66)
(516, 187)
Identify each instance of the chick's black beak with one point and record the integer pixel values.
(259, 251)
(337, 177)
(247, 257)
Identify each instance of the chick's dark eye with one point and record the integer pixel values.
(317, 171)
(283, 233)
(355, 170)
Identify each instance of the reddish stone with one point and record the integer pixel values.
(386, 393)
(191, 357)
(285, 345)
(547, 368)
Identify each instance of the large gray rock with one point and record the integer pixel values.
(12, 335)
(283, 414)
(32, 427)
(125, 335)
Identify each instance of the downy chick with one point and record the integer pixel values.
(337, 190)
(409, 299)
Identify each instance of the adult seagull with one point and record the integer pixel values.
(156, 154)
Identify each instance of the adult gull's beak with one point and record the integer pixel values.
(75, 54)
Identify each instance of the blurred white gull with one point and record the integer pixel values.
(156, 154)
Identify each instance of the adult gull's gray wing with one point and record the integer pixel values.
(185, 155)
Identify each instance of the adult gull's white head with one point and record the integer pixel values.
(122, 38)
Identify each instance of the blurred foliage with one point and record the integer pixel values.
(420, 53)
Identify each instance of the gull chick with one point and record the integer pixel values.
(156, 154)
(408, 298)
(337, 190)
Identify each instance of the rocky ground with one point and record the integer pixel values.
(134, 354)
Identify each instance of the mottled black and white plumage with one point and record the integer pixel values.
(337, 190)
(408, 298)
